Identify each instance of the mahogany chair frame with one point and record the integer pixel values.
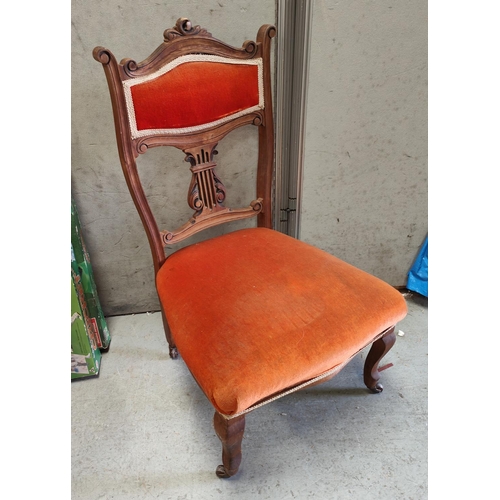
(206, 192)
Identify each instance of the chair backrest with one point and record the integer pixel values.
(190, 93)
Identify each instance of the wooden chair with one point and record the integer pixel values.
(255, 314)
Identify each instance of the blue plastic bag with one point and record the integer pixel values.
(418, 276)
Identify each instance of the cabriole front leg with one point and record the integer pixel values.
(377, 351)
(230, 432)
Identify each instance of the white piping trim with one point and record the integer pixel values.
(332, 371)
(128, 84)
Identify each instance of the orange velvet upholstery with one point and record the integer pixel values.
(255, 312)
(195, 93)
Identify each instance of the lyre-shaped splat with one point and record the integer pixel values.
(206, 197)
(206, 191)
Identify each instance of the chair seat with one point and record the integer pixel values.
(256, 312)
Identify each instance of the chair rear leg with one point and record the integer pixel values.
(230, 432)
(377, 351)
(174, 354)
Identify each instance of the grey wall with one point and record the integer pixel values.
(365, 170)
(112, 229)
(365, 151)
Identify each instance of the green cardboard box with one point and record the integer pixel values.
(80, 264)
(85, 356)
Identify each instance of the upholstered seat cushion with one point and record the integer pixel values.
(255, 312)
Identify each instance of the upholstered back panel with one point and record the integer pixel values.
(193, 93)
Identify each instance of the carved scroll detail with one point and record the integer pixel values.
(220, 190)
(102, 55)
(250, 47)
(129, 66)
(184, 27)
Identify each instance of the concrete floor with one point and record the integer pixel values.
(143, 428)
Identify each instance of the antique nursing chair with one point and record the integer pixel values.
(254, 314)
